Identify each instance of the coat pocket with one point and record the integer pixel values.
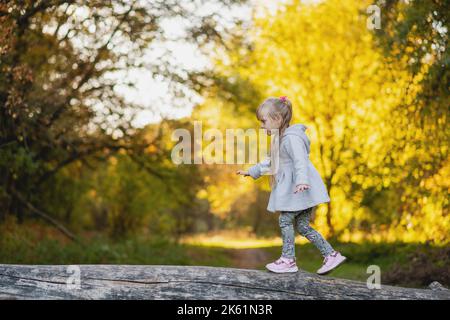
(280, 177)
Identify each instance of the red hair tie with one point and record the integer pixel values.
(283, 98)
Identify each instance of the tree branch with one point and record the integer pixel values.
(44, 216)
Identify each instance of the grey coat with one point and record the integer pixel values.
(294, 168)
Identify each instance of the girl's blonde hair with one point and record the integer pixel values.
(276, 109)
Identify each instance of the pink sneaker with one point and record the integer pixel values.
(330, 262)
(283, 265)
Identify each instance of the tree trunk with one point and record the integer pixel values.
(329, 223)
(187, 282)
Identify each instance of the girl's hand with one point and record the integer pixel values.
(301, 187)
(242, 172)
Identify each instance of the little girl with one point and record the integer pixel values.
(297, 187)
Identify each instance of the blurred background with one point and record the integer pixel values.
(91, 91)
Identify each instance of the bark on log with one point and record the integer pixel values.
(186, 282)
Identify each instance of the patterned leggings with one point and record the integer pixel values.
(301, 219)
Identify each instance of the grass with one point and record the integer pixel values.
(105, 251)
(36, 244)
(359, 257)
(404, 264)
(33, 243)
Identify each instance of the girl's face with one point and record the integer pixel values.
(268, 124)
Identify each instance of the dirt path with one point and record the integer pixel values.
(253, 258)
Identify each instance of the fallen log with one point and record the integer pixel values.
(186, 282)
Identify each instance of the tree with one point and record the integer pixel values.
(414, 34)
(359, 105)
(57, 85)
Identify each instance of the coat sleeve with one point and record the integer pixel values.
(296, 149)
(260, 168)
